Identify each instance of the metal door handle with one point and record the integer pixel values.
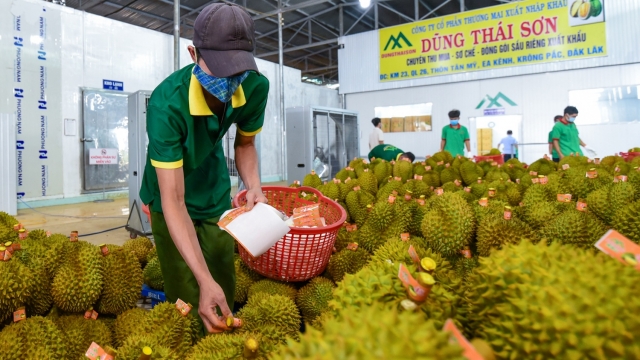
(86, 140)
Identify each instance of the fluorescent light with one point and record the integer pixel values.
(365, 3)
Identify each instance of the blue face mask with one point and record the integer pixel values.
(455, 122)
(572, 119)
(222, 88)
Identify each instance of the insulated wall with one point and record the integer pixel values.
(538, 91)
(81, 51)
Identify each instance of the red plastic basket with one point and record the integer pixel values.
(490, 158)
(303, 253)
(628, 156)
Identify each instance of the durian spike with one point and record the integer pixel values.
(250, 348)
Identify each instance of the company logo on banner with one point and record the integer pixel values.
(516, 34)
(493, 104)
(37, 99)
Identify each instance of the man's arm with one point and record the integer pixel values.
(247, 164)
(550, 148)
(442, 144)
(468, 144)
(183, 233)
(556, 144)
(380, 137)
(582, 143)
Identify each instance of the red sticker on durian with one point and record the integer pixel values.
(183, 307)
(439, 191)
(456, 337)
(581, 205)
(483, 202)
(620, 248)
(417, 177)
(352, 228)
(565, 198)
(20, 314)
(533, 173)
(413, 254)
(415, 291)
(565, 167)
(427, 168)
(352, 246)
(405, 237)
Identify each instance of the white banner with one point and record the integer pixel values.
(103, 156)
(35, 73)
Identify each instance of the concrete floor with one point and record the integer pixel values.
(86, 218)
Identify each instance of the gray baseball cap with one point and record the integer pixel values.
(225, 37)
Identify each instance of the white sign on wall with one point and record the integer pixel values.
(32, 67)
(103, 156)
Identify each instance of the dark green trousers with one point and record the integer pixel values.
(179, 282)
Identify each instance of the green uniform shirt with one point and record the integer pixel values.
(568, 137)
(554, 153)
(386, 152)
(183, 132)
(454, 138)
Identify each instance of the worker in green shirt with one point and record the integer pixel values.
(390, 153)
(552, 150)
(565, 135)
(455, 136)
(186, 180)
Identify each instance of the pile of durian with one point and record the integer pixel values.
(496, 249)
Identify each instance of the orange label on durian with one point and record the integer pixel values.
(535, 180)
(564, 198)
(483, 202)
(17, 227)
(440, 163)
(391, 199)
(439, 191)
(413, 254)
(94, 315)
(74, 236)
(565, 167)
(467, 189)
(622, 178)
(397, 178)
(104, 250)
(183, 307)
(352, 228)
(87, 314)
(457, 182)
(492, 192)
(617, 169)
(20, 314)
(466, 253)
(620, 248)
(517, 181)
(507, 214)
(427, 168)
(417, 177)
(493, 163)
(581, 205)
(592, 174)
(469, 351)
(357, 188)
(95, 352)
(415, 291)
(533, 173)
(352, 246)
(543, 180)
(405, 237)
(420, 202)
(7, 255)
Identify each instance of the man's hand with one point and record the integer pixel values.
(212, 297)
(255, 196)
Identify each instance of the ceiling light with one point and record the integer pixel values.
(365, 3)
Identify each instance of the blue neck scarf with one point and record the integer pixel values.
(222, 88)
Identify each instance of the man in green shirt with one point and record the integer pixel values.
(186, 180)
(565, 135)
(455, 136)
(552, 150)
(390, 153)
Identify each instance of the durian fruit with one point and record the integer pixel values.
(273, 287)
(403, 169)
(345, 174)
(357, 202)
(16, 281)
(577, 184)
(373, 333)
(347, 261)
(344, 238)
(7, 220)
(312, 180)
(166, 326)
(132, 347)
(449, 225)
(625, 221)
(443, 156)
(574, 227)
(78, 282)
(494, 232)
(356, 162)
(543, 166)
(152, 274)
(388, 189)
(368, 182)
(541, 205)
(431, 178)
(382, 171)
(245, 278)
(463, 267)
(140, 246)
(129, 323)
(537, 302)
(121, 283)
(416, 211)
(231, 346)
(449, 174)
(78, 333)
(451, 187)
(467, 196)
(313, 298)
(415, 189)
(33, 256)
(606, 201)
(494, 151)
(332, 190)
(496, 174)
(33, 338)
(380, 284)
(275, 317)
(470, 172)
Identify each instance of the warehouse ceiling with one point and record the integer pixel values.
(310, 31)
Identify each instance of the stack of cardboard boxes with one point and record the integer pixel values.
(406, 124)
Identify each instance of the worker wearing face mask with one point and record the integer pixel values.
(455, 136)
(565, 135)
(186, 181)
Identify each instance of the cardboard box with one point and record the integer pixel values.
(397, 124)
(423, 123)
(410, 123)
(386, 125)
(485, 141)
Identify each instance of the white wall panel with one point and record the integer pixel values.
(359, 65)
(8, 202)
(539, 97)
